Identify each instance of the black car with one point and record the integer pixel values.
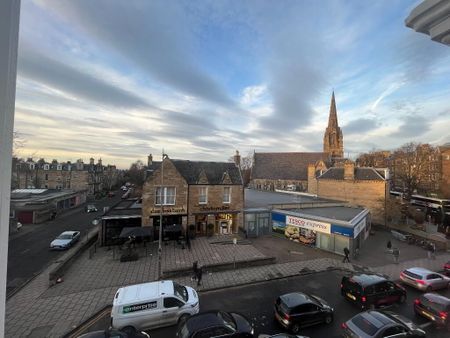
(378, 324)
(296, 310)
(216, 324)
(115, 334)
(434, 307)
(371, 291)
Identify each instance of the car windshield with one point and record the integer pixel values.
(180, 291)
(65, 236)
(364, 325)
(227, 320)
(352, 286)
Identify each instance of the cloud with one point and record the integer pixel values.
(360, 126)
(154, 36)
(56, 74)
(412, 126)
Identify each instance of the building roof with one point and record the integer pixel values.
(340, 213)
(129, 208)
(360, 174)
(264, 199)
(214, 171)
(285, 166)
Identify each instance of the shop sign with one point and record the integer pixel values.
(221, 208)
(341, 230)
(358, 228)
(308, 224)
(168, 211)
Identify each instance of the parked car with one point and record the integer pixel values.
(371, 291)
(424, 280)
(111, 333)
(434, 307)
(296, 310)
(65, 240)
(447, 268)
(150, 305)
(91, 208)
(377, 324)
(216, 323)
(281, 335)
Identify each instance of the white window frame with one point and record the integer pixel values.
(59, 167)
(228, 201)
(165, 196)
(46, 167)
(205, 195)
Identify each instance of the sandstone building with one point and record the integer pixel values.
(193, 193)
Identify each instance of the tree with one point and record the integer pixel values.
(245, 166)
(136, 173)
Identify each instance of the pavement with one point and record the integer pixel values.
(90, 284)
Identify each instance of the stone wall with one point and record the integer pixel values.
(271, 185)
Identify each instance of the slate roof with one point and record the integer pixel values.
(360, 174)
(214, 171)
(284, 166)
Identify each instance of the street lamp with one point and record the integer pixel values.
(161, 203)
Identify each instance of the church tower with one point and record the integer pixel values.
(333, 141)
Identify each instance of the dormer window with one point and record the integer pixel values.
(59, 167)
(46, 167)
(32, 166)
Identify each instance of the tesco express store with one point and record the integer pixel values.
(328, 228)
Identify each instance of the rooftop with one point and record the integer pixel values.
(264, 199)
(131, 207)
(341, 213)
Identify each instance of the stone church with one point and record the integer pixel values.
(289, 170)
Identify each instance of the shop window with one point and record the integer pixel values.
(226, 195)
(165, 196)
(203, 195)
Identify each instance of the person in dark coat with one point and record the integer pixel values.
(199, 276)
(346, 253)
(389, 245)
(194, 270)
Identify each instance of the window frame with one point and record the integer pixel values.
(229, 195)
(205, 195)
(164, 196)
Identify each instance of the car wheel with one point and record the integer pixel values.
(183, 318)
(129, 330)
(328, 319)
(295, 328)
(402, 299)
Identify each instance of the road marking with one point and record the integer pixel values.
(24, 251)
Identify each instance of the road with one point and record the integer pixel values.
(256, 303)
(28, 252)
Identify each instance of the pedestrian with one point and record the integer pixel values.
(194, 270)
(396, 253)
(429, 250)
(199, 276)
(346, 253)
(389, 245)
(433, 250)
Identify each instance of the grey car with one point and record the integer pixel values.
(424, 280)
(65, 240)
(377, 324)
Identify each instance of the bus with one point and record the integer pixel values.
(436, 208)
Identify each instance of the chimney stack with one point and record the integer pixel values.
(237, 159)
(149, 160)
(91, 161)
(349, 170)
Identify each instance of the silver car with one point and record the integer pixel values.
(65, 240)
(424, 280)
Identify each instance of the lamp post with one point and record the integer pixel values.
(161, 203)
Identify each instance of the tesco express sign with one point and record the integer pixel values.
(308, 224)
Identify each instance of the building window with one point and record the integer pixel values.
(32, 166)
(46, 166)
(203, 195)
(166, 195)
(226, 195)
(46, 177)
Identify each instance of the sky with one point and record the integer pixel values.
(119, 80)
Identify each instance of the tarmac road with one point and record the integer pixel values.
(256, 303)
(28, 250)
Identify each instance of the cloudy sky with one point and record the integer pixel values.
(122, 79)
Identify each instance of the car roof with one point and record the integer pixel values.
(366, 280)
(204, 320)
(296, 298)
(419, 271)
(143, 292)
(68, 232)
(435, 298)
(377, 318)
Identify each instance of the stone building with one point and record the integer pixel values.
(366, 187)
(193, 193)
(289, 170)
(78, 176)
(444, 152)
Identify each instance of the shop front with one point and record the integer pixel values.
(322, 233)
(222, 223)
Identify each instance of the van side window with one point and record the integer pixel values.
(172, 302)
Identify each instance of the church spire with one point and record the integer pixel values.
(333, 141)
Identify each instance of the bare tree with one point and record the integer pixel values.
(136, 173)
(246, 164)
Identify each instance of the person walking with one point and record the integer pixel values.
(194, 270)
(199, 276)
(396, 253)
(429, 250)
(433, 250)
(346, 253)
(389, 245)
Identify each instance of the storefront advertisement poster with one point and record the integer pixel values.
(300, 235)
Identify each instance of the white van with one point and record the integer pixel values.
(150, 305)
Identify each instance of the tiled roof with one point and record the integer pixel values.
(214, 171)
(284, 166)
(360, 174)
